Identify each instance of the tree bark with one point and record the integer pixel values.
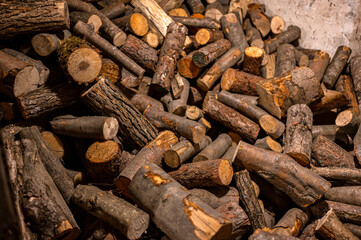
(113, 9)
(291, 34)
(259, 19)
(292, 223)
(110, 70)
(106, 99)
(344, 84)
(338, 173)
(214, 150)
(193, 22)
(187, 68)
(206, 55)
(355, 229)
(177, 106)
(318, 61)
(269, 144)
(331, 99)
(196, 6)
(253, 58)
(142, 101)
(345, 194)
(205, 36)
(355, 67)
(348, 122)
(134, 23)
(233, 31)
(92, 19)
(286, 59)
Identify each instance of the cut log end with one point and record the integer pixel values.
(225, 81)
(26, 80)
(187, 68)
(54, 143)
(199, 132)
(225, 172)
(44, 44)
(139, 24)
(277, 24)
(84, 65)
(300, 158)
(193, 113)
(152, 39)
(203, 36)
(271, 126)
(101, 152)
(172, 159)
(95, 21)
(344, 118)
(110, 128)
(273, 145)
(119, 39)
(254, 52)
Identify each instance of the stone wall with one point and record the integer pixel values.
(325, 24)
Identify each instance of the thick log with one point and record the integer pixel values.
(32, 16)
(259, 19)
(269, 144)
(286, 59)
(280, 93)
(330, 227)
(141, 101)
(187, 68)
(233, 31)
(344, 84)
(331, 99)
(141, 53)
(113, 33)
(338, 173)
(183, 151)
(206, 55)
(196, 6)
(318, 61)
(193, 22)
(168, 56)
(134, 23)
(16, 76)
(215, 150)
(131, 221)
(198, 220)
(345, 194)
(151, 153)
(54, 143)
(86, 31)
(189, 129)
(240, 82)
(355, 67)
(298, 139)
(249, 199)
(208, 173)
(205, 36)
(253, 57)
(106, 99)
(291, 34)
(215, 10)
(336, 66)
(230, 118)
(267, 235)
(326, 153)
(301, 184)
(292, 223)
(110, 70)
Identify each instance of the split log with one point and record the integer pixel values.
(113, 9)
(208, 173)
(229, 59)
(292, 223)
(249, 199)
(331, 99)
(86, 31)
(277, 24)
(348, 122)
(51, 162)
(344, 84)
(205, 36)
(131, 221)
(187, 68)
(151, 153)
(259, 19)
(269, 144)
(215, 150)
(110, 70)
(80, 60)
(298, 139)
(187, 208)
(240, 82)
(330, 227)
(286, 59)
(230, 118)
(196, 6)
(141, 53)
(336, 66)
(177, 86)
(194, 113)
(291, 34)
(193, 22)
(206, 55)
(183, 151)
(345, 194)
(177, 106)
(54, 143)
(45, 100)
(141, 101)
(16, 76)
(337, 173)
(44, 15)
(301, 184)
(189, 129)
(355, 67)
(134, 23)
(233, 31)
(277, 95)
(93, 20)
(42, 203)
(113, 33)
(168, 56)
(253, 57)
(326, 153)
(269, 70)
(103, 160)
(106, 99)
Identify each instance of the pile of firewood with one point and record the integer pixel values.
(173, 119)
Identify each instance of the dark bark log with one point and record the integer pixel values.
(298, 137)
(346, 194)
(86, 31)
(113, 9)
(266, 235)
(249, 199)
(214, 150)
(355, 229)
(330, 100)
(291, 34)
(92, 19)
(240, 82)
(318, 61)
(196, 6)
(131, 221)
(326, 153)
(194, 113)
(197, 22)
(309, 232)
(198, 220)
(44, 43)
(106, 99)
(233, 31)
(253, 36)
(93, 127)
(189, 129)
(259, 19)
(206, 55)
(336, 66)
(168, 56)
(205, 36)
(134, 23)
(278, 94)
(355, 67)
(344, 84)
(177, 106)
(183, 151)
(286, 59)
(330, 227)
(187, 68)
(141, 53)
(152, 153)
(269, 144)
(292, 223)
(301, 184)
(208, 173)
(253, 57)
(142, 101)
(34, 16)
(113, 33)
(235, 121)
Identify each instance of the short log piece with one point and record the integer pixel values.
(196, 6)
(338, 173)
(187, 68)
(292, 223)
(344, 84)
(259, 19)
(75, 16)
(113, 9)
(206, 55)
(331, 99)
(269, 144)
(177, 106)
(134, 23)
(110, 70)
(277, 24)
(318, 61)
(214, 150)
(206, 35)
(142, 101)
(291, 34)
(355, 67)
(253, 57)
(194, 22)
(348, 122)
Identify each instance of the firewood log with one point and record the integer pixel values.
(54, 143)
(134, 23)
(331, 99)
(291, 34)
(318, 61)
(253, 36)
(348, 122)
(206, 35)
(196, 6)
(214, 150)
(110, 70)
(277, 24)
(75, 16)
(206, 55)
(177, 106)
(338, 173)
(187, 68)
(269, 144)
(344, 84)
(45, 44)
(286, 59)
(345, 194)
(142, 101)
(233, 31)
(113, 9)
(260, 234)
(292, 223)
(253, 57)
